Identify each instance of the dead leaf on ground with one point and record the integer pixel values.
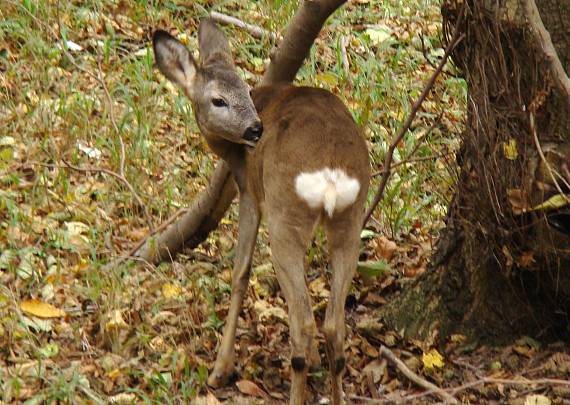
(559, 363)
(432, 359)
(525, 259)
(518, 200)
(115, 321)
(412, 272)
(385, 247)
(171, 290)
(250, 388)
(319, 288)
(123, 398)
(537, 400)
(266, 311)
(209, 399)
(41, 309)
(376, 368)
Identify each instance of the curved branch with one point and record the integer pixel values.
(206, 211)
(303, 29)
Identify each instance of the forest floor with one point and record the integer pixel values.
(97, 150)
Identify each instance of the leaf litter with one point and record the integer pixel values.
(137, 332)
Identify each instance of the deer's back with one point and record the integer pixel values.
(306, 130)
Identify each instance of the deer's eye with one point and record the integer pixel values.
(219, 102)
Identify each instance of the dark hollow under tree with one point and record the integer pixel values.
(502, 269)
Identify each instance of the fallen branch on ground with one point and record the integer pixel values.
(203, 215)
(384, 351)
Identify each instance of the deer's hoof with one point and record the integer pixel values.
(221, 378)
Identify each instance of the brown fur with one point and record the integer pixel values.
(305, 130)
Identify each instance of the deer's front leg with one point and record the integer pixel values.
(249, 217)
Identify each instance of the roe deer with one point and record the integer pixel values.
(309, 167)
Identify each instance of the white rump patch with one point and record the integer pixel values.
(331, 189)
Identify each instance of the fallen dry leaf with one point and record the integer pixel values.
(41, 309)
(123, 398)
(250, 388)
(209, 399)
(559, 363)
(267, 311)
(412, 272)
(526, 259)
(537, 400)
(115, 321)
(432, 359)
(385, 247)
(518, 200)
(510, 149)
(376, 369)
(171, 290)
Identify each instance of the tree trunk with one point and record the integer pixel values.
(502, 266)
(210, 205)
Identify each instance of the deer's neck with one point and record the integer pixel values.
(234, 155)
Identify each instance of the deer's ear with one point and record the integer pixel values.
(214, 45)
(173, 59)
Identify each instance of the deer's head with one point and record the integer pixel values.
(222, 104)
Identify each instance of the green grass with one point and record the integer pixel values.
(59, 226)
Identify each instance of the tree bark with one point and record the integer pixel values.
(204, 215)
(210, 205)
(502, 266)
(302, 32)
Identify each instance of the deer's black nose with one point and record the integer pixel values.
(254, 132)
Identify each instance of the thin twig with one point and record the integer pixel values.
(416, 378)
(92, 169)
(491, 380)
(566, 173)
(101, 80)
(543, 158)
(424, 52)
(343, 55)
(413, 160)
(254, 30)
(542, 36)
(122, 161)
(457, 37)
(419, 142)
(112, 117)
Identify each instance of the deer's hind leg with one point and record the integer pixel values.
(289, 236)
(343, 235)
